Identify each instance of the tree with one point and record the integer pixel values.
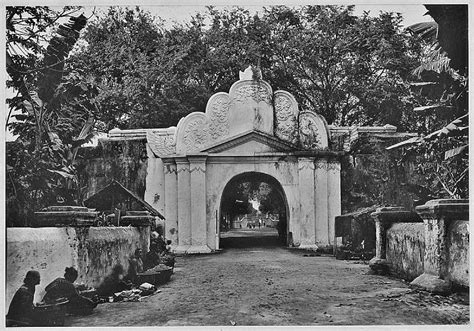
(38, 165)
(442, 94)
(129, 61)
(353, 70)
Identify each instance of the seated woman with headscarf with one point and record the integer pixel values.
(22, 310)
(64, 288)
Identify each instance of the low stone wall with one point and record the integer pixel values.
(433, 253)
(406, 249)
(93, 251)
(458, 253)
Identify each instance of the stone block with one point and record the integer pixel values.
(65, 216)
(432, 283)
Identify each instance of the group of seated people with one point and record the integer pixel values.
(22, 310)
(160, 252)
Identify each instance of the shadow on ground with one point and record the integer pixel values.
(246, 242)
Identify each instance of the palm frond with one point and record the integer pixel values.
(58, 50)
(428, 31)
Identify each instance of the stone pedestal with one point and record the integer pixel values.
(184, 205)
(306, 236)
(437, 215)
(384, 217)
(198, 205)
(171, 202)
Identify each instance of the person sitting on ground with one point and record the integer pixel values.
(160, 242)
(113, 283)
(167, 257)
(64, 288)
(135, 267)
(152, 258)
(22, 310)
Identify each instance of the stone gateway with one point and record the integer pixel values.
(249, 131)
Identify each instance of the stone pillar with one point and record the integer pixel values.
(384, 217)
(171, 202)
(306, 236)
(437, 215)
(334, 196)
(198, 206)
(321, 202)
(184, 205)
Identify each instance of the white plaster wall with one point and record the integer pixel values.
(47, 250)
(219, 174)
(92, 251)
(334, 197)
(155, 181)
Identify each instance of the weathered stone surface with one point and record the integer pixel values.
(406, 249)
(445, 252)
(435, 251)
(432, 283)
(313, 131)
(47, 250)
(458, 258)
(286, 116)
(446, 209)
(65, 216)
(94, 251)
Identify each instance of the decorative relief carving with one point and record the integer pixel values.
(198, 169)
(170, 168)
(321, 164)
(309, 134)
(334, 166)
(161, 144)
(219, 116)
(258, 93)
(305, 164)
(286, 115)
(182, 168)
(196, 134)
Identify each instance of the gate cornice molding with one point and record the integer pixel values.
(250, 135)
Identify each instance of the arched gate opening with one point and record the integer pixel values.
(253, 212)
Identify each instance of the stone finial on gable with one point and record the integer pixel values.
(251, 73)
(246, 74)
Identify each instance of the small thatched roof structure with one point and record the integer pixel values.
(107, 198)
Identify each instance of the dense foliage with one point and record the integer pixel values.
(441, 92)
(352, 70)
(128, 69)
(40, 167)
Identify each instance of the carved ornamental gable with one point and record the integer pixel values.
(256, 92)
(193, 133)
(286, 115)
(250, 106)
(218, 111)
(313, 132)
(162, 142)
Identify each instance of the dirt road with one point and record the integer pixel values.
(271, 285)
